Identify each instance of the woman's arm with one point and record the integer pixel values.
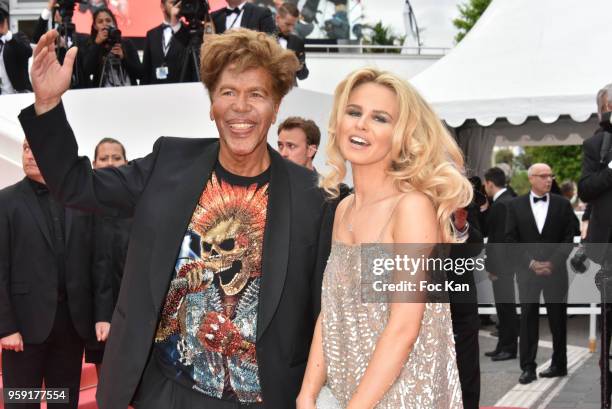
(315, 375)
(414, 221)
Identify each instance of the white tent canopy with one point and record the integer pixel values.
(525, 58)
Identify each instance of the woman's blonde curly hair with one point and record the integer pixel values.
(424, 157)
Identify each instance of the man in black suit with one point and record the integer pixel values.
(49, 299)
(496, 263)
(240, 13)
(15, 51)
(595, 188)
(286, 19)
(543, 221)
(165, 47)
(221, 288)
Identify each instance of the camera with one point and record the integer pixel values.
(114, 37)
(194, 10)
(66, 7)
(579, 262)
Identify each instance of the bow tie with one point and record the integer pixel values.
(537, 199)
(229, 12)
(281, 35)
(165, 26)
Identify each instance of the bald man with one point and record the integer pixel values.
(543, 221)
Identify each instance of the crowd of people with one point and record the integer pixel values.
(106, 59)
(223, 273)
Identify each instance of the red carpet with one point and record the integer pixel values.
(89, 381)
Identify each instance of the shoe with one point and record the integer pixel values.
(492, 353)
(527, 377)
(553, 372)
(503, 356)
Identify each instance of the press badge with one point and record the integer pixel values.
(161, 73)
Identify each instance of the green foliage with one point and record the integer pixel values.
(520, 182)
(565, 161)
(504, 156)
(380, 34)
(469, 12)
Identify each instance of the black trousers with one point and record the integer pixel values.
(57, 362)
(554, 289)
(157, 391)
(507, 318)
(468, 364)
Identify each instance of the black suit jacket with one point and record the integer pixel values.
(28, 269)
(496, 261)
(296, 44)
(595, 188)
(560, 226)
(253, 17)
(153, 55)
(16, 54)
(162, 190)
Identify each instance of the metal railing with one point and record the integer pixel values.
(373, 49)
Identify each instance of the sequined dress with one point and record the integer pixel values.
(429, 379)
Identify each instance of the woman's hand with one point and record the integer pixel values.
(101, 36)
(50, 79)
(117, 50)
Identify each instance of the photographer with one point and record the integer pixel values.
(111, 60)
(54, 10)
(165, 47)
(14, 53)
(595, 188)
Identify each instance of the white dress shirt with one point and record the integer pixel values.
(5, 83)
(169, 31)
(540, 210)
(234, 20)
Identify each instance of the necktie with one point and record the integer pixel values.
(537, 199)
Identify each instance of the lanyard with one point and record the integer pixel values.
(236, 19)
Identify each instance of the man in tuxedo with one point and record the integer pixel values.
(15, 51)
(595, 188)
(496, 264)
(222, 280)
(298, 140)
(49, 298)
(165, 47)
(286, 19)
(543, 221)
(240, 13)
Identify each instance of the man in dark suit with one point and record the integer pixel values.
(15, 51)
(595, 188)
(240, 13)
(543, 221)
(286, 19)
(221, 288)
(496, 263)
(49, 299)
(165, 47)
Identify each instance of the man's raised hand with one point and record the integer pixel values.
(50, 79)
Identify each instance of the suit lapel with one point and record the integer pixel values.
(247, 13)
(31, 202)
(276, 242)
(552, 207)
(176, 210)
(219, 20)
(68, 215)
(528, 210)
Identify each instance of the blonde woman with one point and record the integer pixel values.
(408, 179)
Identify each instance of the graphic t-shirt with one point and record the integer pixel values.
(207, 330)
